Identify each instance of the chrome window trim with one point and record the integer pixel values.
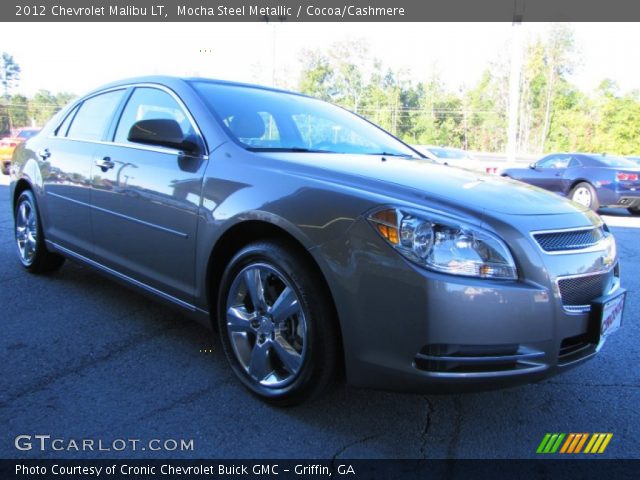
(157, 86)
(598, 247)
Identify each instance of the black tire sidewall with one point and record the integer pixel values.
(27, 195)
(296, 271)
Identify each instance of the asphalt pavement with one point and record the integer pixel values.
(85, 358)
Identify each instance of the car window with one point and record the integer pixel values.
(26, 134)
(64, 126)
(94, 116)
(302, 123)
(574, 162)
(148, 103)
(258, 130)
(556, 161)
(325, 133)
(609, 161)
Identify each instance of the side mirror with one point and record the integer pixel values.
(532, 166)
(162, 132)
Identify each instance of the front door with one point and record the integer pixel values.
(145, 200)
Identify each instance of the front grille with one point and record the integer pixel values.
(569, 239)
(581, 291)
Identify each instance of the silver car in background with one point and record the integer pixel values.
(315, 243)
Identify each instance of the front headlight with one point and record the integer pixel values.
(445, 245)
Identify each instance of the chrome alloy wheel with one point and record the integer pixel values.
(582, 195)
(266, 325)
(26, 232)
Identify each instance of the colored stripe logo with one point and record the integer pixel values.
(574, 443)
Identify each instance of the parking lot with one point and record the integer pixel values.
(83, 357)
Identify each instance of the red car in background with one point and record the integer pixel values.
(9, 144)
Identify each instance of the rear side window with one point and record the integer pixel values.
(151, 104)
(94, 116)
(64, 127)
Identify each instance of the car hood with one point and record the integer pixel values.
(466, 189)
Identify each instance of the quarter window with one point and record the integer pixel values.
(151, 104)
(64, 127)
(94, 116)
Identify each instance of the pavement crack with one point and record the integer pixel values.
(178, 402)
(344, 448)
(109, 352)
(424, 434)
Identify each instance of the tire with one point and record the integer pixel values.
(584, 194)
(634, 210)
(29, 239)
(285, 348)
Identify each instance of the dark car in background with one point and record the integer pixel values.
(593, 180)
(315, 242)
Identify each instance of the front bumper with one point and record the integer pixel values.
(405, 328)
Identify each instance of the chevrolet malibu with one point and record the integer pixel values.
(316, 243)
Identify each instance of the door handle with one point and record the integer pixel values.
(44, 153)
(105, 164)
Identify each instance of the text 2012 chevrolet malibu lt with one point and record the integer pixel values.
(316, 242)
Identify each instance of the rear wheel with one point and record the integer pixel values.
(584, 194)
(634, 210)
(277, 323)
(32, 251)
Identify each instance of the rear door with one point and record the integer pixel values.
(146, 198)
(67, 159)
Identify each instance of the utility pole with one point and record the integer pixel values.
(514, 80)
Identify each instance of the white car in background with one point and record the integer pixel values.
(454, 157)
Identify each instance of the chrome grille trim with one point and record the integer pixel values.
(570, 240)
(609, 283)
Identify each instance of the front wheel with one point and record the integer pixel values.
(584, 194)
(277, 323)
(29, 239)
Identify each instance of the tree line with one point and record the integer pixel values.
(553, 114)
(17, 110)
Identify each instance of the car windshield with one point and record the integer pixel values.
(615, 161)
(266, 120)
(450, 153)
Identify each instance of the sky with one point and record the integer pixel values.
(77, 57)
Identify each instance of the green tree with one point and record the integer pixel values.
(42, 106)
(9, 73)
(18, 110)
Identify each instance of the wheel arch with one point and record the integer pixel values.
(20, 186)
(249, 231)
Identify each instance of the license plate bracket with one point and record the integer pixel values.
(608, 312)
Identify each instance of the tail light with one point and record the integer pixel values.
(491, 170)
(9, 144)
(626, 177)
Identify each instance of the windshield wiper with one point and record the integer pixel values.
(389, 154)
(287, 149)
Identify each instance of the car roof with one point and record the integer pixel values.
(173, 82)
